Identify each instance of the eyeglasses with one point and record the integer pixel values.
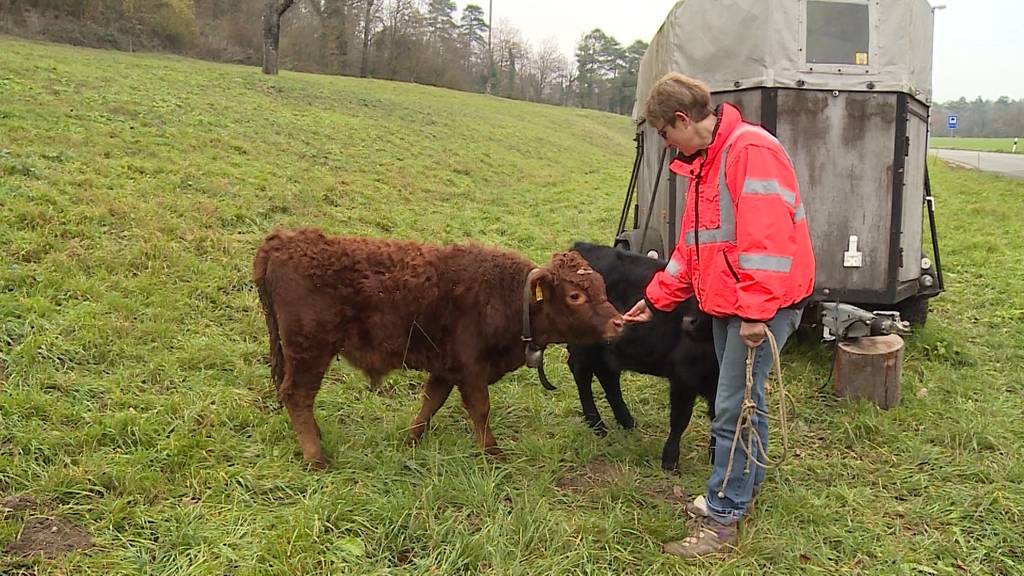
(663, 131)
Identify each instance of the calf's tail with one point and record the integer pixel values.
(267, 301)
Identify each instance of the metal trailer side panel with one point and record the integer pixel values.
(748, 101)
(842, 147)
(660, 225)
(913, 193)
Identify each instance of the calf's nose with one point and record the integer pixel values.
(614, 327)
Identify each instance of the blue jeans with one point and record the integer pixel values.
(732, 381)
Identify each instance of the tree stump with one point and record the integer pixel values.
(870, 368)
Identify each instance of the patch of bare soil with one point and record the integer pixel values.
(18, 503)
(404, 556)
(595, 474)
(667, 491)
(49, 537)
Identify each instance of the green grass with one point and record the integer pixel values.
(135, 401)
(983, 144)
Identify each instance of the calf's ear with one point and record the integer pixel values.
(539, 284)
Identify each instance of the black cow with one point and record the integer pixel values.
(678, 345)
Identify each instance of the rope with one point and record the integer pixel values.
(746, 418)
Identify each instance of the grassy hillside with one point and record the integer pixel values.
(135, 402)
(983, 144)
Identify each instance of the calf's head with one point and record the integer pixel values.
(570, 304)
(696, 324)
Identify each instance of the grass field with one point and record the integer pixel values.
(136, 404)
(983, 144)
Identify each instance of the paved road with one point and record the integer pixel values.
(1011, 165)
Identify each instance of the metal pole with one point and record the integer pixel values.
(490, 51)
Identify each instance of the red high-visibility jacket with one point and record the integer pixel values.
(744, 248)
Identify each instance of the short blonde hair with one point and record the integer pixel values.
(675, 92)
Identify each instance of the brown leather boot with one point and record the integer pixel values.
(707, 537)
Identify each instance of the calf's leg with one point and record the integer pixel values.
(302, 379)
(681, 397)
(581, 364)
(711, 417)
(476, 399)
(610, 381)
(435, 393)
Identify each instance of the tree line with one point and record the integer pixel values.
(979, 118)
(424, 41)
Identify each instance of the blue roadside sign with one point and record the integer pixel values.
(951, 121)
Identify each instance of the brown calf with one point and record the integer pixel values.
(456, 312)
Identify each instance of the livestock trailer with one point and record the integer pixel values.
(845, 85)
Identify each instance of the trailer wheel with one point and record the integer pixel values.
(630, 241)
(914, 310)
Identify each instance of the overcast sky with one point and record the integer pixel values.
(977, 42)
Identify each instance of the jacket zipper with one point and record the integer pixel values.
(728, 265)
(696, 210)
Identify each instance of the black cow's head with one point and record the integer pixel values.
(696, 324)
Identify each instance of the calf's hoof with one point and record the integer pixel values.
(669, 462)
(495, 453)
(415, 434)
(599, 428)
(318, 464)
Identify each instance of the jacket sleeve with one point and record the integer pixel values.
(766, 209)
(672, 285)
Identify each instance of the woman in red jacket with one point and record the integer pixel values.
(744, 249)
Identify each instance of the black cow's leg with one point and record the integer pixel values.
(710, 398)
(581, 364)
(610, 381)
(681, 398)
(435, 393)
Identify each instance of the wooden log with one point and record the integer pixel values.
(870, 368)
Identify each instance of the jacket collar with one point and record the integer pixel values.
(727, 119)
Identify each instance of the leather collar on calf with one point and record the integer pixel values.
(534, 353)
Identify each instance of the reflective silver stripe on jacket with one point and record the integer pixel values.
(726, 231)
(765, 262)
(673, 269)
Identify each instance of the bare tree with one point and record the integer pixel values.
(370, 13)
(339, 19)
(546, 63)
(272, 13)
(511, 54)
(567, 78)
(402, 29)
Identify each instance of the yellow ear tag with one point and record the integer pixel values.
(538, 295)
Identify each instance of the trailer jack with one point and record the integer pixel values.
(847, 322)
